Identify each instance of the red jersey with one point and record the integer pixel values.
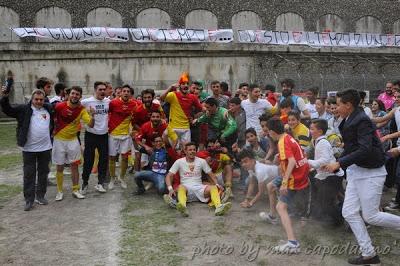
(142, 114)
(149, 133)
(68, 120)
(288, 147)
(119, 116)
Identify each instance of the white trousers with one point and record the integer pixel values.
(365, 195)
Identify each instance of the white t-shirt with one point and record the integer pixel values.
(368, 112)
(56, 99)
(38, 138)
(190, 173)
(101, 115)
(264, 172)
(253, 111)
(311, 108)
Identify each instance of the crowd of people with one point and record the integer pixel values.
(325, 159)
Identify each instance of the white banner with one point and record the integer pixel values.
(75, 34)
(319, 39)
(144, 35)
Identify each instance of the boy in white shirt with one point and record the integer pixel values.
(327, 185)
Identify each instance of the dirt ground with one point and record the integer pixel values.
(117, 228)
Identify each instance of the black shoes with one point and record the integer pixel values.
(41, 201)
(362, 261)
(28, 206)
(139, 191)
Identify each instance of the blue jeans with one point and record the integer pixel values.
(157, 179)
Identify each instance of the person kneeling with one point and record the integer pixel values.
(191, 188)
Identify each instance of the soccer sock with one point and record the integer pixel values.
(60, 181)
(75, 188)
(215, 196)
(182, 195)
(228, 184)
(123, 167)
(112, 168)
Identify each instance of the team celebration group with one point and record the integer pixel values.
(325, 158)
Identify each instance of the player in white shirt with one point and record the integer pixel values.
(191, 188)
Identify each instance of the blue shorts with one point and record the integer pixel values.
(288, 198)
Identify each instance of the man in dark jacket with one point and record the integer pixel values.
(35, 122)
(363, 159)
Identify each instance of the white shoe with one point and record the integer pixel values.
(78, 195)
(59, 196)
(100, 188)
(288, 248)
(268, 218)
(84, 189)
(111, 184)
(123, 184)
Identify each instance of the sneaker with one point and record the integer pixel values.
(139, 191)
(84, 189)
(123, 184)
(182, 209)
(28, 206)
(78, 195)
(227, 195)
(111, 184)
(362, 261)
(169, 201)
(41, 201)
(222, 209)
(288, 248)
(267, 217)
(100, 188)
(393, 206)
(59, 196)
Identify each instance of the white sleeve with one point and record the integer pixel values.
(268, 105)
(301, 104)
(175, 167)
(323, 154)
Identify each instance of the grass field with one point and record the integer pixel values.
(10, 156)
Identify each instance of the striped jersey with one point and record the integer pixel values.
(120, 114)
(181, 107)
(68, 120)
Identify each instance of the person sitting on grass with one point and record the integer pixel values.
(294, 169)
(261, 172)
(191, 188)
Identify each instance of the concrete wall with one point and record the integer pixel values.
(331, 23)
(201, 19)
(153, 18)
(290, 21)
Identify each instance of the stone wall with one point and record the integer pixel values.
(157, 65)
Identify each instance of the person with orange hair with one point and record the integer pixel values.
(181, 105)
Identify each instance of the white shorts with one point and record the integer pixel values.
(183, 134)
(119, 145)
(66, 151)
(196, 193)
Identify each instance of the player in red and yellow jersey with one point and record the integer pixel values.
(294, 171)
(66, 147)
(142, 115)
(181, 106)
(120, 115)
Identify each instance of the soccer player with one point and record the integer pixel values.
(66, 148)
(181, 104)
(119, 141)
(191, 188)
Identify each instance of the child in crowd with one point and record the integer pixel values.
(294, 171)
(327, 185)
(298, 130)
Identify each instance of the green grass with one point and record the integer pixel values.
(8, 136)
(149, 236)
(7, 192)
(10, 160)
